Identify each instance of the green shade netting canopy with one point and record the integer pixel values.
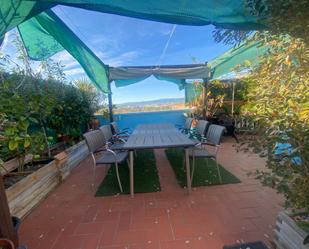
(245, 52)
(45, 34)
(222, 13)
(191, 92)
(247, 55)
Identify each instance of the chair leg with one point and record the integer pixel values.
(93, 177)
(218, 170)
(93, 172)
(118, 178)
(193, 167)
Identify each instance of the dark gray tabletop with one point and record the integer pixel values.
(154, 136)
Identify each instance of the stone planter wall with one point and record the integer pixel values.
(27, 193)
(288, 235)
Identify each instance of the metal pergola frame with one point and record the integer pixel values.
(154, 69)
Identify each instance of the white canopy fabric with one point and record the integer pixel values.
(129, 75)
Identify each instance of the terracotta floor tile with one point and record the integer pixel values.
(89, 228)
(190, 243)
(144, 223)
(130, 237)
(72, 217)
(108, 234)
(69, 242)
(146, 245)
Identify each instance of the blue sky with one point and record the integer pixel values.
(123, 41)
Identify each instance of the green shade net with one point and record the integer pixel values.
(191, 92)
(127, 82)
(14, 12)
(221, 13)
(45, 34)
(179, 82)
(226, 63)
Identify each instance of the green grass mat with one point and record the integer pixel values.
(205, 172)
(146, 177)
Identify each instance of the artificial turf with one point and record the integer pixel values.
(205, 172)
(146, 177)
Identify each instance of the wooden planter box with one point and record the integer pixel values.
(288, 235)
(76, 154)
(28, 192)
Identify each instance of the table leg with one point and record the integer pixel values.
(188, 170)
(132, 173)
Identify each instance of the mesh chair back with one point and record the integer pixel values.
(214, 134)
(201, 127)
(94, 140)
(188, 123)
(107, 132)
(115, 128)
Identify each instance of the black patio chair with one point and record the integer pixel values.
(212, 138)
(95, 141)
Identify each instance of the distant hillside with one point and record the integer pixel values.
(157, 102)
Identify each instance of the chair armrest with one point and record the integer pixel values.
(122, 133)
(208, 143)
(113, 153)
(99, 150)
(117, 139)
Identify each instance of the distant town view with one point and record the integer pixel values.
(151, 105)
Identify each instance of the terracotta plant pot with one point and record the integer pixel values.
(94, 123)
(6, 244)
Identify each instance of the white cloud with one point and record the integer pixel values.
(105, 42)
(119, 60)
(74, 72)
(7, 45)
(73, 69)
(66, 59)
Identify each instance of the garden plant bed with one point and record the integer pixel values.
(25, 191)
(13, 177)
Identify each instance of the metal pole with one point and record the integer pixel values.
(205, 98)
(233, 97)
(110, 103)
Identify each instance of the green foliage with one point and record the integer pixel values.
(279, 101)
(280, 17)
(15, 138)
(73, 110)
(286, 17)
(37, 103)
(219, 96)
(279, 97)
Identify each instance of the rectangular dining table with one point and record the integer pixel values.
(157, 136)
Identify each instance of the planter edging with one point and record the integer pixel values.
(287, 234)
(26, 194)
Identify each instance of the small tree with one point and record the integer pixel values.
(279, 101)
(279, 98)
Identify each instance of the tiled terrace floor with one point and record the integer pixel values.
(72, 218)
